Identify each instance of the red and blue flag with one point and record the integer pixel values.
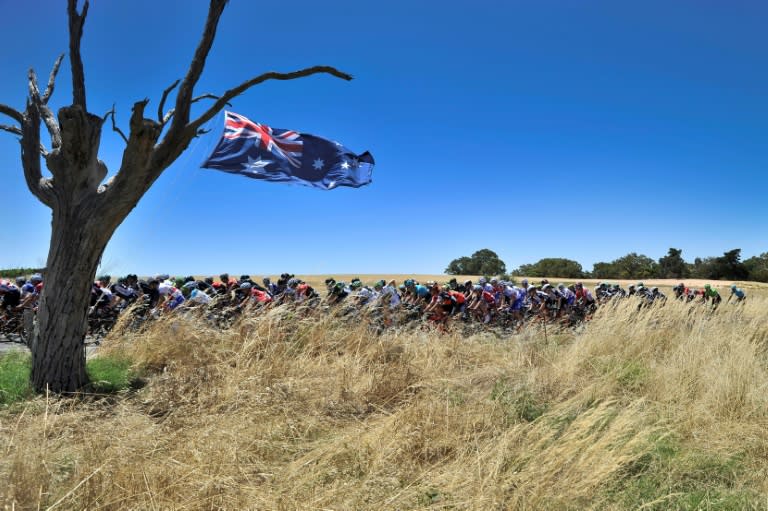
(259, 151)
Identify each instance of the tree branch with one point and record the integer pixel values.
(47, 114)
(194, 100)
(114, 125)
(52, 79)
(10, 129)
(40, 187)
(184, 97)
(161, 107)
(76, 22)
(12, 113)
(17, 131)
(272, 75)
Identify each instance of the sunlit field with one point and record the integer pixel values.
(661, 408)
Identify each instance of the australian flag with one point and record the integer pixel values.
(260, 152)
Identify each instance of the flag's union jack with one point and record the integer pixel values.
(284, 144)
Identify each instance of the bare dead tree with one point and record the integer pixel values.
(85, 209)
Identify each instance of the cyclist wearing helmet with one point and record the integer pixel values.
(738, 293)
(390, 290)
(569, 297)
(338, 293)
(10, 296)
(583, 296)
(170, 296)
(711, 293)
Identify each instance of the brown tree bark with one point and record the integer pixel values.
(86, 210)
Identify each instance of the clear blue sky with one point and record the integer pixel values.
(584, 130)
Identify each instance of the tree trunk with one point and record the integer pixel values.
(77, 242)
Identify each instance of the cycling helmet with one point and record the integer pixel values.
(546, 287)
(401, 287)
(36, 278)
(380, 283)
(640, 284)
(482, 280)
(245, 285)
(355, 284)
(524, 282)
(733, 286)
(654, 290)
(447, 287)
(561, 286)
(477, 287)
(21, 281)
(189, 285)
(409, 283)
(245, 277)
(707, 286)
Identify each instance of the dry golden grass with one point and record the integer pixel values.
(665, 408)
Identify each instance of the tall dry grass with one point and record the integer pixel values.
(663, 408)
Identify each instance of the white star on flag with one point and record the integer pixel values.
(318, 164)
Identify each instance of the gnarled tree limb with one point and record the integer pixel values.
(30, 156)
(184, 96)
(161, 106)
(12, 113)
(17, 131)
(114, 125)
(272, 75)
(10, 129)
(169, 115)
(76, 22)
(52, 80)
(44, 110)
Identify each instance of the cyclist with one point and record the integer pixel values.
(569, 297)
(583, 296)
(171, 297)
(711, 293)
(657, 295)
(11, 296)
(738, 293)
(390, 290)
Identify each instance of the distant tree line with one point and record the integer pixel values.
(11, 273)
(728, 266)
